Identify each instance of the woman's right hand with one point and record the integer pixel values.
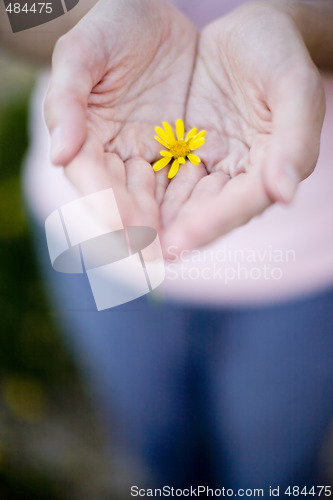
(122, 70)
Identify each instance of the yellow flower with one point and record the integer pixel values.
(179, 149)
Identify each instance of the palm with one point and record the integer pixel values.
(139, 78)
(238, 133)
(232, 98)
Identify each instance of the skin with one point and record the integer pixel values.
(108, 92)
(263, 111)
(249, 81)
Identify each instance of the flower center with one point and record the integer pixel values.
(180, 149)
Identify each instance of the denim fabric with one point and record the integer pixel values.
(241, 398)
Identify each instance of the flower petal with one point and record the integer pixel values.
(196, 143)
(194, 159)
(200, 134)
(165, 144)
(166, 153)
(180, 129)
(181, 160)
(168, 130)
(165, 137)
(161, 164)
(191, 134)
(174, 169)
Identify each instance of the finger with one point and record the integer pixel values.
(66, 101)
(205, 218)
(210, 186)
(179, 190)
(298, 113)
(93, 170)
(141, 187)
(162, 182)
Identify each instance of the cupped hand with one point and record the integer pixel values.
(257, 93)
(122, 70)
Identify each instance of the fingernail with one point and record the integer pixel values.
(57, 145)
(287, 183)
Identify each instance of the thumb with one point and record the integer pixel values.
(66, 101)
(298, 111)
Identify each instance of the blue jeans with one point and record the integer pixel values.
(234, 397)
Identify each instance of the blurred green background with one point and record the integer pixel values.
(51, 441)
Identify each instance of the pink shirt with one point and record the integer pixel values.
(286, 252)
